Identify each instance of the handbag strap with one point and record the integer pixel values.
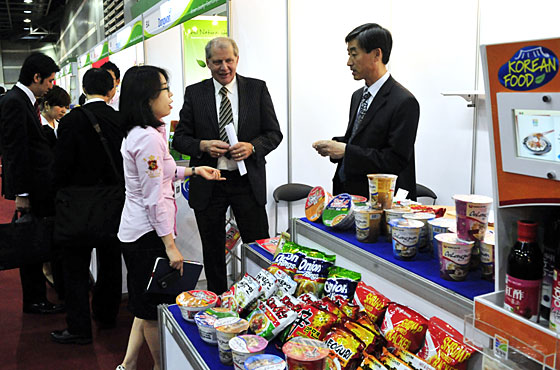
(91, 118)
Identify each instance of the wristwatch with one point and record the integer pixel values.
(193, 170)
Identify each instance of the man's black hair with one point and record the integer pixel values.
(97, 81)
(36, 63)
(110, 66)
(372, 36)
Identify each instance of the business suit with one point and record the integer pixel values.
(81, 160)
(27, 162)
(258, 125)
(383, 142)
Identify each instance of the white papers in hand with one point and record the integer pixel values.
(232, 137)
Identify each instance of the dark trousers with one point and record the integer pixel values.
(250, 217)
(106, 292)
(33, 283)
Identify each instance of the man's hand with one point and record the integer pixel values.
(241, 151)
(23, 204)
(216, 148)
(331, 148)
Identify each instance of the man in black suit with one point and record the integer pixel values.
(27, 162)
(208, 106)
(82, 161)
(383, 120)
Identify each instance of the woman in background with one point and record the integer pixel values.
(54, 106)
(147, 229)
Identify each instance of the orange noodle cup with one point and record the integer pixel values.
(472, 216)
(227, 328)
(423, 242)
(454, 256)
(487, 256)
(192, 302)
(381, 190)
(316, 202)
(305, 353)
(245, 346)
(368, 223)
(393, 214)
(405, 235)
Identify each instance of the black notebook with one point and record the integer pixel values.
(167, 280)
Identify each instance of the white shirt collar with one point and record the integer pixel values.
(27, 92)
(376, 86)
(231, 87)
(94, 100)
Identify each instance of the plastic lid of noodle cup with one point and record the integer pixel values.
(489, 238)
(265, 362)
(248, 343)
(473, 198)
(451, 238)
(305, 349)
(196, 298)
(442, 222)
(420, 216)
(406, 223)
(231, 325)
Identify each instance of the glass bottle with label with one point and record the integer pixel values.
(524, 273)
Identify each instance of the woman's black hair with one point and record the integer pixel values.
(140, 85)
(56, 96)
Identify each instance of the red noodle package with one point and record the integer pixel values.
(345, 348)
(372, 341)
(391, 362)
(311, 322)
(326, 304)
(413, 361)
(349, 310)
(403, 327)
(371, 363)
(444, 347)
(371, 301)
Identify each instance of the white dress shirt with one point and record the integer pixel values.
(375, 87)
(233, 96)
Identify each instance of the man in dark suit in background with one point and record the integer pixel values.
(383, 120)
(209, 106)
(27, 162)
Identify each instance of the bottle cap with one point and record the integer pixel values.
(526, 230)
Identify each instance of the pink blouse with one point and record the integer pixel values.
(149, 172)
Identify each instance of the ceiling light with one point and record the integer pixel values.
(27, 20)
(27, 11)
(26, 28)
(28, 1)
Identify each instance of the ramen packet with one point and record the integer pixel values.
(371, 363)
(242, 296)
(326, 304)
(293, 303)
(372, 341)
(288, 259)
(346, 348)
(285, 283)
(403, 327)
(444, 347)
(392, 362)
(341, 283)
(349, 310)
(413, 361)
(371, 301)
(308, 298)
(312, 272)
(270, 318)
(311, 322)
(267, 282)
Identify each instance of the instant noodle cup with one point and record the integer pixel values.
(360, 201)
(487, 256)
(205, 322)
(192, 302)
(439, 226)
(393, 214)
(305, 354)
(227, 328)
(339, 213)
(245, 346)
(405, 235)
(368, 224)
(381, 190)
(316, 202)
(265, 362)
(472, 216)
(423, 241)
(454, 256)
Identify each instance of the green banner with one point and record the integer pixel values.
(127, 36)
(84, 60)
(99, 52)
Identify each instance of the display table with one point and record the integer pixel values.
(182, 348)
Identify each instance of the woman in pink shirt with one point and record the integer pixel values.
(147, 228)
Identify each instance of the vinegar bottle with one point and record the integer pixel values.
(524, 273)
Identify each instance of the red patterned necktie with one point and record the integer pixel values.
(37, 111)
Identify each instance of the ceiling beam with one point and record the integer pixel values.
(9, 14)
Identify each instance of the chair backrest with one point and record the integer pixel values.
(288, 193)
(423, 191)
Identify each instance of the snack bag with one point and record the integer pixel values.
(270, 318)
(371, 363)
(326, 304)
(413, 361)
(242, 296)
(391, 362)
(285, 283)
(403, 327)
(308, 298)
(444, 347)
(371, 301)
(288, 259)
(311, 322)
(370, 340)
(341, 282)
(345, 348)
(312, 272)
(291, 302)
(267, 282)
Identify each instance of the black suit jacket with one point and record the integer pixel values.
(257, 124)
(81, 159)
(27, 157)
(384, 142)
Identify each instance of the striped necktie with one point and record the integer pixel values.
(37, 111)
(226, 114)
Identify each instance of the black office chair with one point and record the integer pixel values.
(423, 191)
(288, 193)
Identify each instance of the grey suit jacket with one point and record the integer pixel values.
(257, 124)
